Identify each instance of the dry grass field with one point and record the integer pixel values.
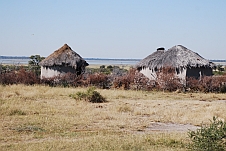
(45, 118)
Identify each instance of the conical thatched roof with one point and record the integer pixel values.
(176, 57)
(64, 56)
(149, 60)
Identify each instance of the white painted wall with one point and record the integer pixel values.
(182, 76)
(48, 73)
(149, 73)
(152, 74)
(183, 73)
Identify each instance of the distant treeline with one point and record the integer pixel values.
(107, 59)
(14, 57)
(218, 60)
(110, 59)
(24, 57)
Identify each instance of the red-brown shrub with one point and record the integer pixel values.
(207, 84)
(167, 79)
(69, 79)
(192, 84)
(141, 82)
(99, 80)
(19, 77)
(125, 81)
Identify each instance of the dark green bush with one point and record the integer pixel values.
(90, 95)
(210, 137)
(223, 89)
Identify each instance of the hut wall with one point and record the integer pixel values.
(182, 75)
(48, 72)
(198, 72)
(149, 73)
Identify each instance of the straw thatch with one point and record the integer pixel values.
(64, 56)
(149, 60)
(175, 57)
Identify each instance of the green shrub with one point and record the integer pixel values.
(223, 89)
(102, 66)
(210, 137)
(90, 95)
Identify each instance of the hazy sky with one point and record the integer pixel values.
(112, 28)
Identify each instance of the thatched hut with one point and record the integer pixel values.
(144, 65)
(185, 62)
(62, 61)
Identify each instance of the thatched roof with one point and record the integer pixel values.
(176, 57)
(149, 60)
(64, 56)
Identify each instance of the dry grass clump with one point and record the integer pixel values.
(41, 118)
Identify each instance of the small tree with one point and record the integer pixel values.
(35, 59)
(34, 63)
(220, 68)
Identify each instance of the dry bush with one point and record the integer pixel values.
(121, 82)
(125, 81)
(141, 82)
(192, 84)
(70, 79)
(207, 84)
(67, 80)
(99, 80)
(7, 78)
(19, 77)
(218, 84)
(167, 79)
(26, 77)
(48, 81)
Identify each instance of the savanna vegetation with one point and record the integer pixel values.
(114, 77)
(94, 112)
(39, 117)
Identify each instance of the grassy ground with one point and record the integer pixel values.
(46, 118)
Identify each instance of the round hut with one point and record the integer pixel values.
(185, 62)
(144, 65)
(62, 61)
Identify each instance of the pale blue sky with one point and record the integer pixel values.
(112, 28)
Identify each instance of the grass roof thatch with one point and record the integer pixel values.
(176, 57)
(64, 56)
(149, 60)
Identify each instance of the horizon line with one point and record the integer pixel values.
(222, 60)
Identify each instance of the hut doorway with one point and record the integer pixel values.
(198, 72)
